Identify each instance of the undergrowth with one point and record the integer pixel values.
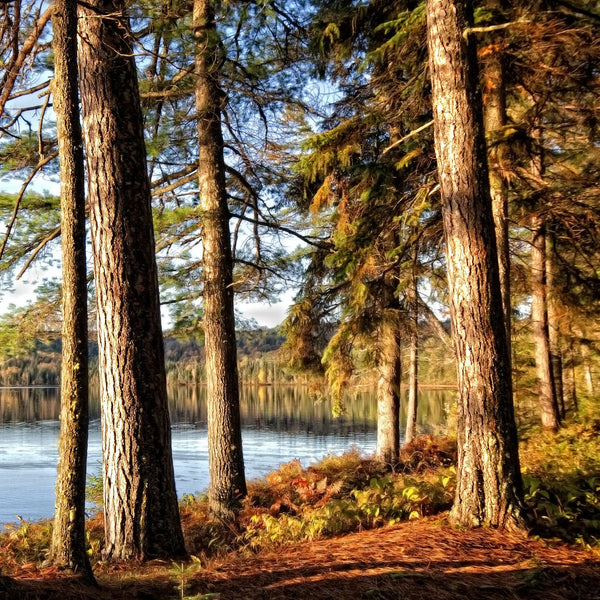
(348, 493)
(561, 477)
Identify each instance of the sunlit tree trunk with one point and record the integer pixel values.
(573, 376)
(413, 368)
(539, 318)
(388, 389)
(68, 547)
(489, 488)
(141, 513)
(586, 360)
(587, 366)
(539, 301)
(226, 462)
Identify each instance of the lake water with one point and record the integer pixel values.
(279, 424)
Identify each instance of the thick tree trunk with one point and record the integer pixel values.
(141, 513)
(539, 318)
(68, 547)
(226, 462)
(388, 390)
(413, 368)
(489, 488)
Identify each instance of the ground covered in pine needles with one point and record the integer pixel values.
(418, 559)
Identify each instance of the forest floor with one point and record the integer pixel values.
(420, 559)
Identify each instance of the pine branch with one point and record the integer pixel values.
(22, 191)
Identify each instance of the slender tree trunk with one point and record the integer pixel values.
(388, 390)
(539, 303)
(141, 513)
(226, 462)
(587, 366)
(413, 372)
(539, 318)
(574, 400)
(68, 547)
(586, 360)
(495, 120)
(554, 337)
(489, 487)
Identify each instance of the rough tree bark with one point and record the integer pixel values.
(68, 548)
(489, 487)
(141, 514)
(226, 462)
(388, 389)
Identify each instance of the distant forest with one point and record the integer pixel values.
(184, 359)
(262, 359)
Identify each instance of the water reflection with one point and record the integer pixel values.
(279, 408)
(279, 423)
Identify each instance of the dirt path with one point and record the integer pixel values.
(416, 560)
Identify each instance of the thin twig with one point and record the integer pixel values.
(408, 136)
(26, 49)
(46, 240)
(490, 28)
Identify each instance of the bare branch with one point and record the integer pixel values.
(408, 136)
(491, 28)
(31, 90)
(26, 49)
(178, 183)
(46, 240)
(312, 241)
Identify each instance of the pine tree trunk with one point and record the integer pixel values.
(494, 121)
(140, 504)
(539, 303)
(571, 363)
(587, 365)
(489, 488)
(586, 361)
(68, 547)
(226, 462)
(539, 318)
(554, 336)
(413, 370)
(388, 392)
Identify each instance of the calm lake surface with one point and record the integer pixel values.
(279, 424)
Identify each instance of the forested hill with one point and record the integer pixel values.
(41, 366)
